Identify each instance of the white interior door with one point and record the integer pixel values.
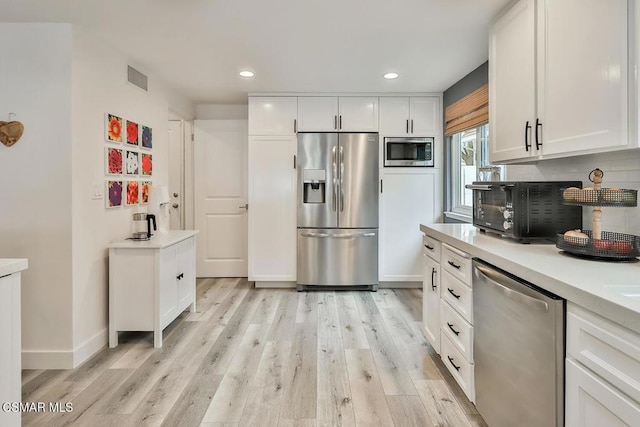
(176, 174)
(220, 196)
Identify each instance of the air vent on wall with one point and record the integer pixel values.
(136, 77)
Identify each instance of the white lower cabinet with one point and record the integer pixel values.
(10, 350)
(431, 301)
(406, 199)
(460, 368)
(602, 386)
(151, 283)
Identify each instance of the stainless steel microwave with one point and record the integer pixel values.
(408, 152)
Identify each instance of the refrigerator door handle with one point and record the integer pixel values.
(338, 236)
(334, 167)
(341, 175)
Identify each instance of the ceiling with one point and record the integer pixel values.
(199, 46)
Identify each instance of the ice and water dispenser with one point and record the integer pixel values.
(314, 185)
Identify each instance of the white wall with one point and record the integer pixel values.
(222, 112)
(35, 201)
(621, 170)
(100, 86)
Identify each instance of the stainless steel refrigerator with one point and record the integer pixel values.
(337, 210)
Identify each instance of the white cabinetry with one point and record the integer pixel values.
(431, 292)
(558, 88)
(406, 199)
(410, 116)
(338, 114)
(274, 115)
(602, 371)
(272, 208)
(151, 283)
(10, 350)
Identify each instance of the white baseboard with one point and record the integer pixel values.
(400, 285)
(42, 359)
(275, 284)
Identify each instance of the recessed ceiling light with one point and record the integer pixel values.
(247, 73)
(390, 76)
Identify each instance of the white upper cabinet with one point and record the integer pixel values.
(273, 115)
(410, 116)
(558, 79)
(338, 114)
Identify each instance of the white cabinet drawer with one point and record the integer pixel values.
(459, 295)
(461, 370)
(457, 263)
(606, 348)
(592, 402)
(431, 247)
(458, 330)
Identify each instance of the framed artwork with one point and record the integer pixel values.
(113, 161)
(131, 163)
(113, 128)
(132, 193)
(114, 194)
(145, 189)
(132, 133)
(146, 137)
(147, 164)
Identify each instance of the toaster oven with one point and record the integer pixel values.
(524, 210)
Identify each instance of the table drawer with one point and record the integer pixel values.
(456, 293)
(457, 263)
(458, 330)
(431, 247)
(606, 348)
(461, 370)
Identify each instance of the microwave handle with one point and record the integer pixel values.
(483, 187)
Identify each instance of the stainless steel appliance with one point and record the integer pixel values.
(524, 210)
(518, 350)
(337, 210)
(408, 152)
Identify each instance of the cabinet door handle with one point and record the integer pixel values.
(380, 186)
(294, 161)
(295, 126)
(538, 137)
(453, 293)
(433, 281)
(450, 325)
(340, 122)
(453, 364)
(454, 265)
(429, 247)
(335, 122)
(411, 125)
(407, 125)
(180, 276)
(527, 131)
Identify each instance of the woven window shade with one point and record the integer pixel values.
(469, 112)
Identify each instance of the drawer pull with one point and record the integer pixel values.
(454, 265)
(453, 293)
(429, 247)
(453, 330)
(453, 364)
(180, 276)
(433, 282)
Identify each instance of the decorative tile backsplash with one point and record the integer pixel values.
(621, 170)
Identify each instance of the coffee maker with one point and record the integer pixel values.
(142, 226)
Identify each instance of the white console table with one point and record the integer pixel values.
(151, 283)
(10, 330)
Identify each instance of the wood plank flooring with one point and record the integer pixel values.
(265, 357)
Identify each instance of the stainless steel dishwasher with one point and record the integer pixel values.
(518, 350)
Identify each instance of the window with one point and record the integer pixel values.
(469, 153)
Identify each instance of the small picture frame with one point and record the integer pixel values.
(113, 128)
(133, 134)
(145, 189)
(132, 193)
(132, 163)
(146, 165)
(113, 161)
(146, 137)
(114, 194)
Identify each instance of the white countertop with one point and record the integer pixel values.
(599, 286)
(12, 265)
(157, 241)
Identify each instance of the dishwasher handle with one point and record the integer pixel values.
(492, 277)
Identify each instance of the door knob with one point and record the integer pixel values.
(175, 206)
(175, 194)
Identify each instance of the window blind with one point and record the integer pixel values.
(468, 112)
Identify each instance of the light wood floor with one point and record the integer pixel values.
(265, 357)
